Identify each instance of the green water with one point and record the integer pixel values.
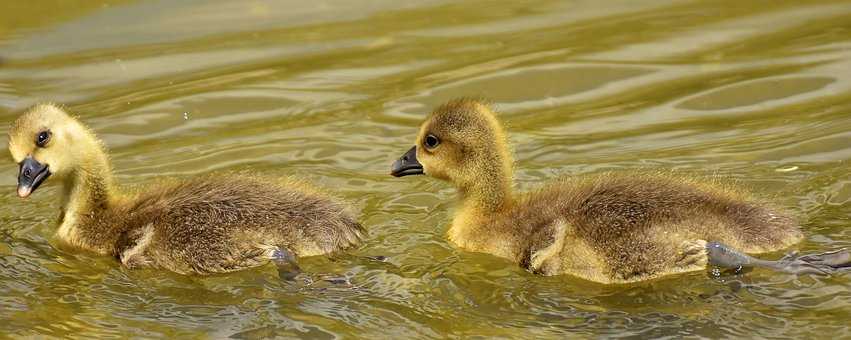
(333, 91)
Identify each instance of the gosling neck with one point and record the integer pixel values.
(488, 191)
(484, 197)
(86, 200)
(89, 188)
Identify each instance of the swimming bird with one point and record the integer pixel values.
(201, 225)
(606, 228)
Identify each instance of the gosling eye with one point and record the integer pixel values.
(42, 138)
(431, 141)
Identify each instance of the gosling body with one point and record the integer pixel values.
(615, 228)
(203, 225)
(607, 228)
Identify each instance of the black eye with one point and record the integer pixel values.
(42, 138)
(431, 141)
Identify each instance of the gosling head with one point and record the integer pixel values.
(462, 142)
(45, 141)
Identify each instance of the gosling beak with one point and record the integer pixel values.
(407, 165)
(31, 174)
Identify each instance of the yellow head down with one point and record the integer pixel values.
(463, 142)
(45, 141)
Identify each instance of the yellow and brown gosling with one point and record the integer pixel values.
(203, 225)
(607, 228)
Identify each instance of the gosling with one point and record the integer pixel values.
(607, 228)
(203, 225)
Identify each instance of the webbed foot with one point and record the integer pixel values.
(285, 260)
(723, 256)
(793, 264)
(835, 259)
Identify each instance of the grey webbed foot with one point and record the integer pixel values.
(285, 260)
(792, 263)
(723, 256)
(837, 259)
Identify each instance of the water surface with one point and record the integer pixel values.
(758, 92)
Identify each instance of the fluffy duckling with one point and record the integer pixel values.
(605, 228)
(204, 225)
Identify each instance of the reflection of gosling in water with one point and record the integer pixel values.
(209, 224)
(607, 228)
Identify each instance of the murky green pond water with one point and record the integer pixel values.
(333, 91)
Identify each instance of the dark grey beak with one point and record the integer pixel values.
(31, 175)
(407, 164)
